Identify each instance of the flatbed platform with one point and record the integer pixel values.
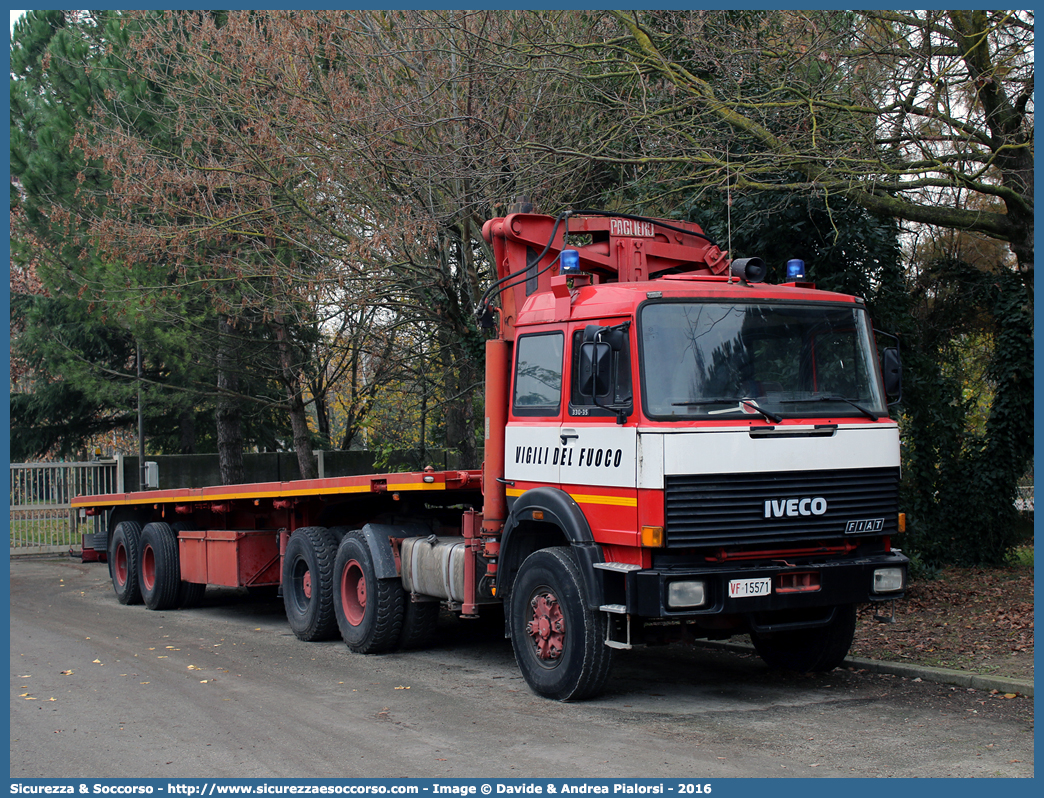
(401, 482)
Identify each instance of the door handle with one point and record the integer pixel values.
(566, 434)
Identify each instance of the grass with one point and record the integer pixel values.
(1023, 557)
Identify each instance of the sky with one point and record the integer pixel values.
(14, 17)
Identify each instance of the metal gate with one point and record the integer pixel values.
(42, 520)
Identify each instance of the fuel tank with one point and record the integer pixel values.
(434, 566)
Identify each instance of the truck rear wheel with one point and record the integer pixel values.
(124, 548)
(369, 610)
(806, 650)
(559, 641)
(160, 567)
(308, 583)
(190, 594)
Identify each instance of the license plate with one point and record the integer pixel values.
(744, 588)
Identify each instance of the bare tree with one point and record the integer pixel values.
(923, 116)
(356, 154)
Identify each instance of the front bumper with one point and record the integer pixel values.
(850, 581)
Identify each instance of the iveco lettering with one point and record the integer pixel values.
(776, 509)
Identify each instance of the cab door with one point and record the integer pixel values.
(597, 465)
(533, 447)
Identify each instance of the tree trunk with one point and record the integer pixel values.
(461, 383)
(322, 416)
(229, 416)
(298, 415)
(302, 437)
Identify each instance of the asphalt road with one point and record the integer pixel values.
(103, 690)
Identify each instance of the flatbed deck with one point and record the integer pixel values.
(400, 482)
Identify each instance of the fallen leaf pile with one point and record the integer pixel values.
(976, 619)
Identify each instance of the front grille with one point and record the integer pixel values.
(730, 509)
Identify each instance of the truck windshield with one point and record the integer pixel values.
(712, 359)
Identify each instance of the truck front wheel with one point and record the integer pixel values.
(124, 551)
(369, 610)
(559, 641)
(805, 650)
(160, 567)
(308, 583)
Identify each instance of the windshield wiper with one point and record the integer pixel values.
(865, 411)
(767, 414)
(721, 400)
(728, 401)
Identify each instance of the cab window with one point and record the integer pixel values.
(538, 374)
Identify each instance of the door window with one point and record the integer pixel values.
(538, 375)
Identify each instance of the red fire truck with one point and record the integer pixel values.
(674, 450)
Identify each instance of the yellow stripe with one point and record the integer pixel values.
(618, 501)
(302, 492)
(583, 498)
(419, 486)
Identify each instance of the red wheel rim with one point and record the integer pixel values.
(120, 565)
(547, 627)
(306, 584)
(148, 567)
(353, 592)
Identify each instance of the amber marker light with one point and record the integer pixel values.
(902, 522)
(652, 537)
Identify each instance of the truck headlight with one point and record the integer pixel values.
(685, 594)
(888, 580)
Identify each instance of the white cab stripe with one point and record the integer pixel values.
(735, 452)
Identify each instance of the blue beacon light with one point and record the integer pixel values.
(569, 262)
(795, 270)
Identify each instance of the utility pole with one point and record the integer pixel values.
(141, 428)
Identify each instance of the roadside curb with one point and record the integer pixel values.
(976, 681)
(49, 552)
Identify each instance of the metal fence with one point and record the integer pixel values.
(42, 519)
(1024, 501)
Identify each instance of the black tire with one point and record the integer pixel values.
(559, 641)
(419, 623)
(159, 566)
(338, 533)
(190, 594)
(806, 650)
(369, 610)
(308, 583)
(124, 553)
(263, 592)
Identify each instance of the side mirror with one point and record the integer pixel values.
(595, 369)
(616, 337)
(892, 367)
